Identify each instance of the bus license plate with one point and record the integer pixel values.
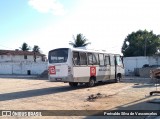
(58, 79)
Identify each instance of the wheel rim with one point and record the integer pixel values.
(91, 83)
(118, 79)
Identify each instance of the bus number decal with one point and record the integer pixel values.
(52, 70)
(92, 71)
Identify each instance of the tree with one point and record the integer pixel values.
(25, 47)
(36, 49)
(79, 41)
(141, 43)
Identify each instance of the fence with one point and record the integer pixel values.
(24, 68)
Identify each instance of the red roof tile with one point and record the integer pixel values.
(18, 52)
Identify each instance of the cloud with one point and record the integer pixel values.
(104, 23)
(47, 6)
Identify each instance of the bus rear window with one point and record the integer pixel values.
(58, 56)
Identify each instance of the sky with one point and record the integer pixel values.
(51, 24)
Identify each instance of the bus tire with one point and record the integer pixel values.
(73, 84)
(91, 82)
(118, 78)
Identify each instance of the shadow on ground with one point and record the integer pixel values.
(43, 91)
(35, 92)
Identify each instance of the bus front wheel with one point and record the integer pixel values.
(118, 78)
(73, 84)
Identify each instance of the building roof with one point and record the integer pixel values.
(18, 52)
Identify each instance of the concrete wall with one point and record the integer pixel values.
(154, 60)
(19, 58)
(34, 68)
(132, 64)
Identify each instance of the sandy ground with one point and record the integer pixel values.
(132, 93)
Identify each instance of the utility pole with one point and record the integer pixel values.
(145, 47)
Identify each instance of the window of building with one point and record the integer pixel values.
(2, 57)
(43, 58)
(25, 56)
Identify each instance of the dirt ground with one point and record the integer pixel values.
(132, 93)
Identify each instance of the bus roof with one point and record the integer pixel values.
(82, 49)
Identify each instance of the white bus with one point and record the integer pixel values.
(74, 66)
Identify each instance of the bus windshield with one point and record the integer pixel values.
(58, 55)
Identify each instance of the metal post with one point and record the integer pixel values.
(145, 47)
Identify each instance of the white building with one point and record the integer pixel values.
(20, 56)
(22, 62)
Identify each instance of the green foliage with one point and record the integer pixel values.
(25, 47)
(36, 49)
(141, 43)
(79, 41)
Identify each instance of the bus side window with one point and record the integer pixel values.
(101, 59)
(76, 59)
(112, 60)
(106, 60)
(83, 58)
(90, 58)
(95, 59)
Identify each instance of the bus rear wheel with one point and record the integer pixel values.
(73, 84)
(91, 82)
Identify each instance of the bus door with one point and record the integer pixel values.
(119, 64)
(112, 67)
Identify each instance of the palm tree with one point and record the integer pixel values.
(25, 47)
(79, 41)
(35, 50)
